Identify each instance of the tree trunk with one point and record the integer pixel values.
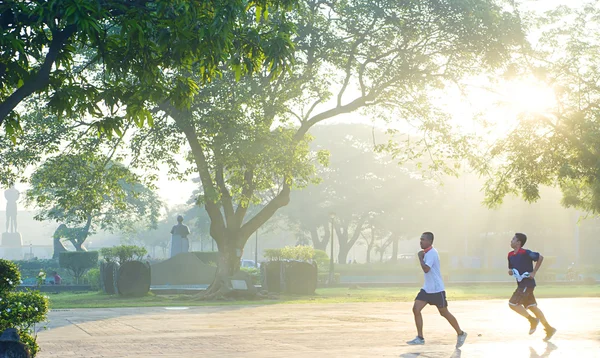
(395, 250)
(319, 244)
(343, 253)
(369, 249)
(230, 253)
(79, 245)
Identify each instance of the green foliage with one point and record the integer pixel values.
(10, 277)
(300, 253)
(78, 262)
(93, 278)
(254, 274)
(557, 147)
(21, 310)
(92, 190)
(321, 258)
(123, 253)
(132, 43)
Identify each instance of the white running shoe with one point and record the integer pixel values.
(460, 339)
(416, 341)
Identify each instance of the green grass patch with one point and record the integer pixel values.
(323, 295)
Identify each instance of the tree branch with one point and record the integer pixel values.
(41, 79)
(217, 224)
(247, 192)
(225, 195)
(281, 200)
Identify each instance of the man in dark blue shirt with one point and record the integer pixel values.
(520, 265)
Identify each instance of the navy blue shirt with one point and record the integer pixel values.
(523, 262)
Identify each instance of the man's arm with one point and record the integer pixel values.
(537, 266)
(423, 265)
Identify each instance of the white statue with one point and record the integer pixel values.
(11, 195)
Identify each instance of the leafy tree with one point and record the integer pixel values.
(91, 190)
(558, 147)
(137, 44)
(243, 141)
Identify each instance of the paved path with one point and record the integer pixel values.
(320, 330)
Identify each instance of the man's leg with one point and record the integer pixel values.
(417, 308)
(520, 310)
(524, 296)
(539, 314)
(451, 319)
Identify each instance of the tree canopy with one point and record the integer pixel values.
(91, 190)
(560, 146)
(138, 49)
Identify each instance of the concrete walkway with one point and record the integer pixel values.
(320, 330)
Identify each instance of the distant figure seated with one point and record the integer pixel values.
(57, 278)
(11, 345)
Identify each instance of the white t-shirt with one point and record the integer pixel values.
(433, 278)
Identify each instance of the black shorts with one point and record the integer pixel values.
(523, 296)
(437, 299)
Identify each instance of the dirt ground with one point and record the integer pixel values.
(320, 330)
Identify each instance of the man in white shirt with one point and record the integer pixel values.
(433, 291)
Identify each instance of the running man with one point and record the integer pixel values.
(433, 292)
(520, 265)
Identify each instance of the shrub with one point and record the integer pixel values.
(299, 253)
(21, 310)
(321, 259)
(10, 277)
(254, 274)
(93, 278)
(78, 262)
(31, 269)
(123, 253)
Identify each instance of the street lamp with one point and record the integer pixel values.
(256, 249)
(331, 267)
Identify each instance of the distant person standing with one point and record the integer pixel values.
(433, 292)
(520, 265)
(179, 237)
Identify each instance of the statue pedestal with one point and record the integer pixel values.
(12, 246)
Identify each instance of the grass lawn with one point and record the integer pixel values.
(323, 295)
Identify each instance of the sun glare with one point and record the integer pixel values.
(528, 96)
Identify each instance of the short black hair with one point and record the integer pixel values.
(522, 238)
(428, 234)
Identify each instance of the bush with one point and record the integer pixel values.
(299, 253)
(123, 253)
(321, 259)
(93, 278)
(31, 269)
(21, 310)
(78, 262)
(254, 274)
(10, 277)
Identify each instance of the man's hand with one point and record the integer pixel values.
(510, 272)
(421, 255)
(531, 274)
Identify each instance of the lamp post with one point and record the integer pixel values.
(331, 266)
(256, 249)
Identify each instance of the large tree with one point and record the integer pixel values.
(91, 191)
(249, 137)
(560, 146)
(47, 47)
